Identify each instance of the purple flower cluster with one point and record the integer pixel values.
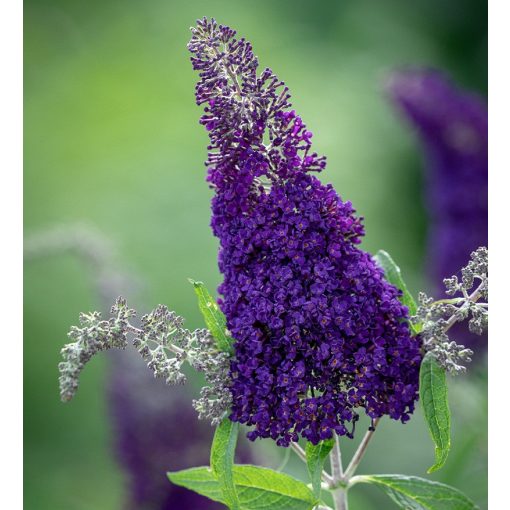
(319, 332)
(452, 128)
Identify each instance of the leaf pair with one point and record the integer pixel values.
(264, 489)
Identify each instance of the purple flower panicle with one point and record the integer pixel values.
(452, 128)
(319, 332)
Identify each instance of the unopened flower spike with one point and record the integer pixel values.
(163, 343)
(93, 336)
(320, 334)
(468, 300)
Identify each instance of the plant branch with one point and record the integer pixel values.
(472, 298)
(336, 461)
(360, 452)
(171, 347)
(299, 451)
(340, 499)
(337, 481)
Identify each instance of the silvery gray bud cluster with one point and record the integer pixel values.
(163, 342)
(215, 398)
(93, 336)
(469, 300)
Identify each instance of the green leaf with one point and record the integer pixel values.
(414, 493)
(434, 400)
(257, 488)
(315, 457)
(222, 460)
(394, 276)
(200, 480)
(214, 318)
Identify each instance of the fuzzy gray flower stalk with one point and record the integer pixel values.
(94, 336)
(469, 300)
(163, 343)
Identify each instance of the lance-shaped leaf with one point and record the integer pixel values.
(315, 458)
(213, 316)
(394, 275)
(434, 401)
(257, 488)
(414, 493)
(222, 460)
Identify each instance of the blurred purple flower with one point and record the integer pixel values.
(156, 430)
(452, 128)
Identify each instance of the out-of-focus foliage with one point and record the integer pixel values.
(111, 137)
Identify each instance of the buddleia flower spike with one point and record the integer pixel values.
(320, 334)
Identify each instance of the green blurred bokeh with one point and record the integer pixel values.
(111, 138)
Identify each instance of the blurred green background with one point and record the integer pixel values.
(111, 138)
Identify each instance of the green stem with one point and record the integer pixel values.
(360, 452)
(339, 492)
(340, 481)
(340, 499)
(336, 461)
(472, 298)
